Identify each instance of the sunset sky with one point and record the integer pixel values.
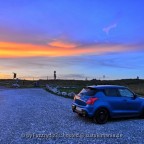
(77, 38)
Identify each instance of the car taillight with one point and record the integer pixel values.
(91, 101)
(74, 98)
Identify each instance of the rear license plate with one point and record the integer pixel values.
(79, 109)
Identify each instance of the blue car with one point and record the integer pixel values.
(102, 102)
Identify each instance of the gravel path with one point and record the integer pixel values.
(34, 116)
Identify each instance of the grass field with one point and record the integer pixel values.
(76, 85)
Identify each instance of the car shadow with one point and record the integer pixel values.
(124, 119)
(111, 120)
(84, 119)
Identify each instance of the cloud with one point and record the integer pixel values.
(73, 76)
(72, 67)
(62, 44)
(112, 24)
(109, 28)
(5, 76)
(60, 48)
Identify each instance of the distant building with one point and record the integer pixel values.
(54, 75)
(14, 75)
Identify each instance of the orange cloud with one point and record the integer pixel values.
(10, 49)
(5, 76)
(62, 44)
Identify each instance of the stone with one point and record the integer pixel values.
(64, 93)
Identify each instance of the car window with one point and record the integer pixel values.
(111, 92)
(88, 92)
(125, 93)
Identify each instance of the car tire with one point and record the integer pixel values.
(142, 115)
(101, 116)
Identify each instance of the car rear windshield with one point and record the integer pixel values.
(87, 92)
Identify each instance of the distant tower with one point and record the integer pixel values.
(14, 75)
(54, 75)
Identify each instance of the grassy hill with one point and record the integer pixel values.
(137, 85)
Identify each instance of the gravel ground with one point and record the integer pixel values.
(34, 116)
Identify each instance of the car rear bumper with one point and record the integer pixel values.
(83, 110)
(79, 111)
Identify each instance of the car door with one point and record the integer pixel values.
(117, 103)
(132, 104)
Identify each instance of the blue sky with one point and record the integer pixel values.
(78, 38)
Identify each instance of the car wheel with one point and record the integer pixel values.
(101, 116)
(142, 115)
